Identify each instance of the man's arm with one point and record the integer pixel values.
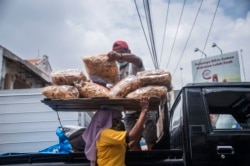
(138, 128)
(128, 57)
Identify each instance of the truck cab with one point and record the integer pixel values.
(211, 123)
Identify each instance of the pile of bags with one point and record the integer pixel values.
(73, 83)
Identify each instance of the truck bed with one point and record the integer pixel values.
(133, 158)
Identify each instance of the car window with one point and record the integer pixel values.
(176, 124)
(229, 108)
(224, 121)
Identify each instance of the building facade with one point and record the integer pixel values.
(16, 73)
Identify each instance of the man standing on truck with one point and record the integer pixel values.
(130, 64)
(106, 138)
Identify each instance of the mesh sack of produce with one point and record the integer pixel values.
(60, 92)
(91, 89)
(67, 77)
(155, 77)
(125, 86)
(101, 70)
(149, 91)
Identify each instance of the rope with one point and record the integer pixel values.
(58, 117)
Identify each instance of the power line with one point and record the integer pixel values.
(151, 33)
(209, 32)
(189, 35)
(152, 49)
(142, 27)
(164, 34)
(169, 58)
(211, 26)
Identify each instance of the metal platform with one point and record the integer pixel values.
(93, 104)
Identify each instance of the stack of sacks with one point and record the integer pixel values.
(72, 83)
(63, 84)
(151, 83)
(101, 72)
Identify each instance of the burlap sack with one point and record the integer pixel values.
(155, 77)
(91, 89)
(101, 70)
(67, 77)
(149, 91)
(125, 86)
(60, 92)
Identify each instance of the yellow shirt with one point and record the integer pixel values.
(111, 148)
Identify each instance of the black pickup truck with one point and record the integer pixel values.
(207, 125)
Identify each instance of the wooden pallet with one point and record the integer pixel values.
(93, 104)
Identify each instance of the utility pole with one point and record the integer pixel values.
(181, 76)
(242, 61)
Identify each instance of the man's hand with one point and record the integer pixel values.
(113, 55)
(144, 102)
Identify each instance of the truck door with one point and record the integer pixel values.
(229, 115)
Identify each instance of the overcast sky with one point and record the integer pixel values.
(67, 30)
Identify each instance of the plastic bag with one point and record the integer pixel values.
(67, 77)
(101, 70)
(60, 92)
(125, 86)
(155, 77)
(149, 91)
(91, 89)
(64, 145)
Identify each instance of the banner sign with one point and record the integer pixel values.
(220, 68)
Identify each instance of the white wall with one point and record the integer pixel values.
(27, 124)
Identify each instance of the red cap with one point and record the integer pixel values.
(119, 44)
